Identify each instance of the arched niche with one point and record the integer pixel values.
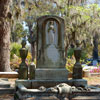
(50, 51)
(57, 36)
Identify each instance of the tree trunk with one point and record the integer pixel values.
(32, 44)
(4, 36)
(33, 51)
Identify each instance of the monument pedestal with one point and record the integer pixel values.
(46, 77)
(51, 74)
(79, 82)
(35, 84)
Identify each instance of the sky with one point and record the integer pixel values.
(93, 1)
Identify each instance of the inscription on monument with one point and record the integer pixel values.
(53, 54)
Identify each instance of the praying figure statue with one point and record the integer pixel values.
(51, 32)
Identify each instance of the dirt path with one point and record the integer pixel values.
(94, 80)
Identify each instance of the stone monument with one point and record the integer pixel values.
(77, 70)
(50, 64)
(50, 49)
(23, 68)
(50, 60)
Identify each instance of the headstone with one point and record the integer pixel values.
(50, 48)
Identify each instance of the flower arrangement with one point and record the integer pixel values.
(95, 70)
(16, 61)
(70, 63)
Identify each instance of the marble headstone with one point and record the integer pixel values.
(50, 48)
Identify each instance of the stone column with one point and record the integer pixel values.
(23, 68)
(77, 70)
(32, 71)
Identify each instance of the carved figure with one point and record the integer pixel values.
(64, 88)
(51, 32)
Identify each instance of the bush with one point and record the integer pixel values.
(70, 63)
(70, 52)
(14, 49)
(16, 61)
(84, 54)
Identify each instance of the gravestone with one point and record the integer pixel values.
(50, 49)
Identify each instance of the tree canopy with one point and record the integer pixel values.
(81, 17)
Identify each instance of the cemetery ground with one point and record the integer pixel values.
(94, 81)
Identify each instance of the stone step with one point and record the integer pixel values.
(42, 98)
(86, 98)
(4, 83)
(7, 91)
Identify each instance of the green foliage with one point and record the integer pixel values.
(16, 61)
(18, 33)
(70, 63)
(70, 52)
(81, 21)
(14, 49)
(84, 55)
(99, 49)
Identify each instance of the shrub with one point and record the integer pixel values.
(16, 61)
(99, 49)
(70, 52)
(29, 58)
(14, 49)
(70, 64)
(84, 55)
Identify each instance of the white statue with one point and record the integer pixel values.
(51, 32)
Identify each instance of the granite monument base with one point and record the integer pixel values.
(51, 74)
(79, 82)
(46, 77)
(34, 84)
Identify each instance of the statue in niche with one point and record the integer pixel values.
(51, 32)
